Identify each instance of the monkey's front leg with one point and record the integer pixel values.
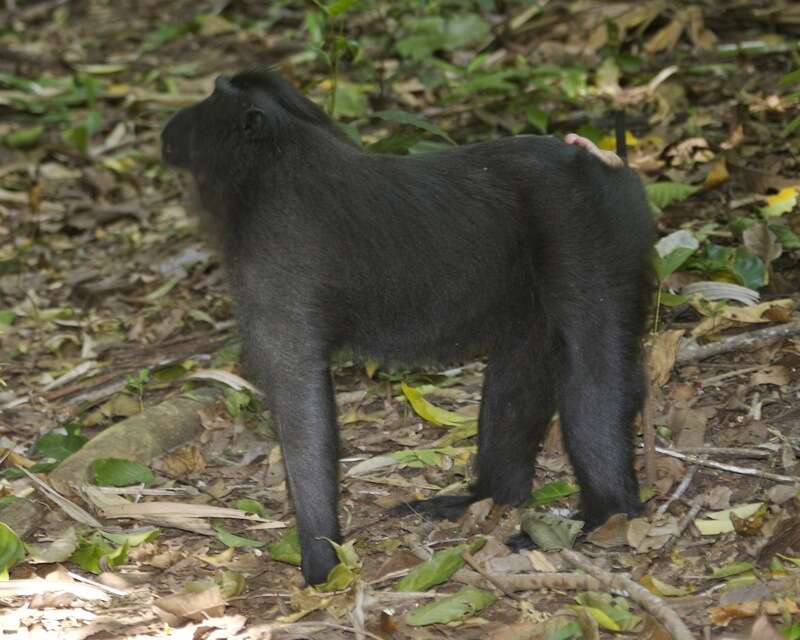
(305, 415)
(297, 381)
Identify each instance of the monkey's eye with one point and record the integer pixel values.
(253, 120)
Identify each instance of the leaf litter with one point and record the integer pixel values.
(111, 305)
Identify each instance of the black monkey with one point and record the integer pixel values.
(526, 248)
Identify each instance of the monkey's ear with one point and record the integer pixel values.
(253, 120)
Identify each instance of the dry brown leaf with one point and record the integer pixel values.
(763, 630)
(689, 425)
(661, 355)
(762, 242)
(184, 461)
(666, 38)
(721, 616)
(190, 606)
(777, 375)
(613, 533)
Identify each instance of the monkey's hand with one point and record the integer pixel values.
(607, 157)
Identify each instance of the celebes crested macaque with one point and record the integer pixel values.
(528, 249)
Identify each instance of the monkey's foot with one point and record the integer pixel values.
(436, 508)
(607, 157)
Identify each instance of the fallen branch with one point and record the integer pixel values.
(732, 452)
(745, 471)
(531, 581)
(690, 351)
(650, 602)
(140, 438)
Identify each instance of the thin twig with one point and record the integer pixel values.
(732, 452)
(679, 491)
(745, 471)
(650, 602)
(687, 520)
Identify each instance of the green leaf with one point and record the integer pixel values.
(749, 269)
(538, 119)
(610, 612)
(132, 539)
(672, 299)
(441, 566)
(788, 238)
(230, 584)
(337, 7)
(12, 550)
(550, 493)
(13, 473)
(236, 402)
(118, 472)
(549, 531)
(732, 569)
(101, 69)
(463, 604)
(340, 577)
(96, 555)
(350, 100)
(7, 317)
(250, 506)
(663, 194)
(167, 32)
(346, 553)
(792, 632)
(425, 35)
(59, 445)
(287, 549)
(790, 128)
(232, 540)
(413, 120)
(672, 262)
(23, 138)
(437, 458)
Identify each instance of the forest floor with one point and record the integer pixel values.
(117, 338)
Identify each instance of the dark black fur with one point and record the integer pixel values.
(526, 248)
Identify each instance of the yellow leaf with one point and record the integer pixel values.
(661, 588)
(609, 143)
(370, 367)
(782, 202)
(431, 412)
(602, 618)
(754, 314)
(717, 174)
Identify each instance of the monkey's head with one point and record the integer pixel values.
(226, 122)
(244, 118)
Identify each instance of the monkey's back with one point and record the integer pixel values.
(429, 257)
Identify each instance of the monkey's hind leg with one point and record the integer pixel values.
(518, 402)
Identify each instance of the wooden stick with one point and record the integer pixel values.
(745, 471)
(650, 602)
(691, 351)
